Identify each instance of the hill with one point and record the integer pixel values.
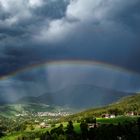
(42, 99)
(78, 96)
(121, 107)
(11, 110)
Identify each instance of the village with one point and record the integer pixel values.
(53, 114)
(44, 114)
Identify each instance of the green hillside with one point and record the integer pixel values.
(121, 107)
(14, 109)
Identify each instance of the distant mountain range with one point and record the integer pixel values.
(42, 99)
(79, 96)
(124, 104)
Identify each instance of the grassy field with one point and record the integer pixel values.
(14, 136)
(121, 119)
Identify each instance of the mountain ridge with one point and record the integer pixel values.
(86, 95)
(123, 106)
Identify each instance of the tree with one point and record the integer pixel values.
(138, 123)
(90, 120)
(60, 130)
(70, 134)
(70, 128)
(84, 129)
(114, 111)
(1, 132)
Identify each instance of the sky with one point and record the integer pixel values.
(58, 33)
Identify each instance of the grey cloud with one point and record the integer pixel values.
(32, 32)
(100, 14)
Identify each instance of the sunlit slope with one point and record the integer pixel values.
(122, 107)
(14, 109)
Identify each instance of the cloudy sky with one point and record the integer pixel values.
(38, 31)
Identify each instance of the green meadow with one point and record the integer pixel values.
(38, 131)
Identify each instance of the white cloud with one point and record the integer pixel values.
(55, 31)
(17, 10)
(35, 3)
(84, 12)
(78, 14)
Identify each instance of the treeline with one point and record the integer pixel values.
(126, 131)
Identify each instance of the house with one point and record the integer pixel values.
(108, 116)
(112, 116)
(44, 125)
(130, 113)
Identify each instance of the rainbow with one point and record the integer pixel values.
(67, 62)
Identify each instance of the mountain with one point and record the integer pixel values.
(42, 99)
(122, 106)
(85, 96)
(9, 110)
(79, 96)
(4, 100)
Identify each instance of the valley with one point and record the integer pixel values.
(33, 121)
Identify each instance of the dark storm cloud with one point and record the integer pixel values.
(131, 18)
(18, 21)
(20, 18)
(52, 9)
(32, 31)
